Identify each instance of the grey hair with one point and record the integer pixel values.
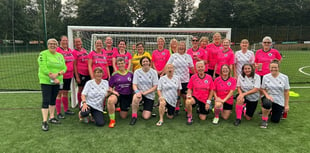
(267, 38)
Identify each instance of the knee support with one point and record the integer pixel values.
(266, 103)
(85, 114)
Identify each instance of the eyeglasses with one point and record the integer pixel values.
(267, 42)
(52, 43)
(195, 40)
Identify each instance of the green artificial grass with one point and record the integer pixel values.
(21, 131)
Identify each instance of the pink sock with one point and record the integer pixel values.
(189, 115)
(264, 118)
(58, 106)
(217, 112)
(79, 99)
(134, 115)
(177, 108)
(239, 111)
(65, 103)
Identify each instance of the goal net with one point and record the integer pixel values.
(132, 35)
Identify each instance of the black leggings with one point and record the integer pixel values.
(49, 94)
(97, 115)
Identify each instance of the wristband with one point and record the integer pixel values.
(137, 91)
(83, 102)
(208, 101)
(58, 73)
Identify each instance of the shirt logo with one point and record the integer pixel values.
(221, 48)
(225, 55)
(206, 81)
(270, 54)
(229, 83)
(129, 79)
(163, 53)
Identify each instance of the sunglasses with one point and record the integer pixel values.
(195, 40)
(267, 42)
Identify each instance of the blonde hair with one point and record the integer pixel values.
(204, 38)
(162, 38)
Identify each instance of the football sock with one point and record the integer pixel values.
(65, 103)
(112, 116)
(239, 111)
(58, 106)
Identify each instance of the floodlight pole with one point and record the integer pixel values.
(44, 23)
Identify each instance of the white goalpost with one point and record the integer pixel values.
(132, 35)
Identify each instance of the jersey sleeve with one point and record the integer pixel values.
(287, 84)
(238, 81)
(232, 59)
(86, 88)
(159, 87)
(263, 86)
(170, 61)
(129, 56)
(278, 55)
(190, 83)
(155, 78)
(252, 58)
(257, 81)
(111, 81)
(42, 61)
(135, 77)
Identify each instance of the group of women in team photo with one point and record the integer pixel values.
(204, 77)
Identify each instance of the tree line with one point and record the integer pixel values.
(22, 19)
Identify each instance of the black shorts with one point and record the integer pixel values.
(184, 88)
(277, 112)
(250, 107)
(210, 72)
(201, 106)
(49, 94)
(227, 106)
(111, 70)
(124, 102)
(66, 85)
(261, 79)
(170, 108)
(147, 104)
(84, 79)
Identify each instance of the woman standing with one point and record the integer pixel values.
(160, 56)
(97, 58)
(136, 57)
(182, 64)
(173, 46)
(80, 66)
(213, 49)
(197, 54)
(93, 95)
(51, 69)
(243, 56)
(109, 50)
(264, 56)
(122, 52)
(225, 86)
(145, 81)
(203, 42)
(168, 90)
(67, 77)
(200, 92)
(121, 89)
(225, 56)
(248, 85)
(275, 87)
